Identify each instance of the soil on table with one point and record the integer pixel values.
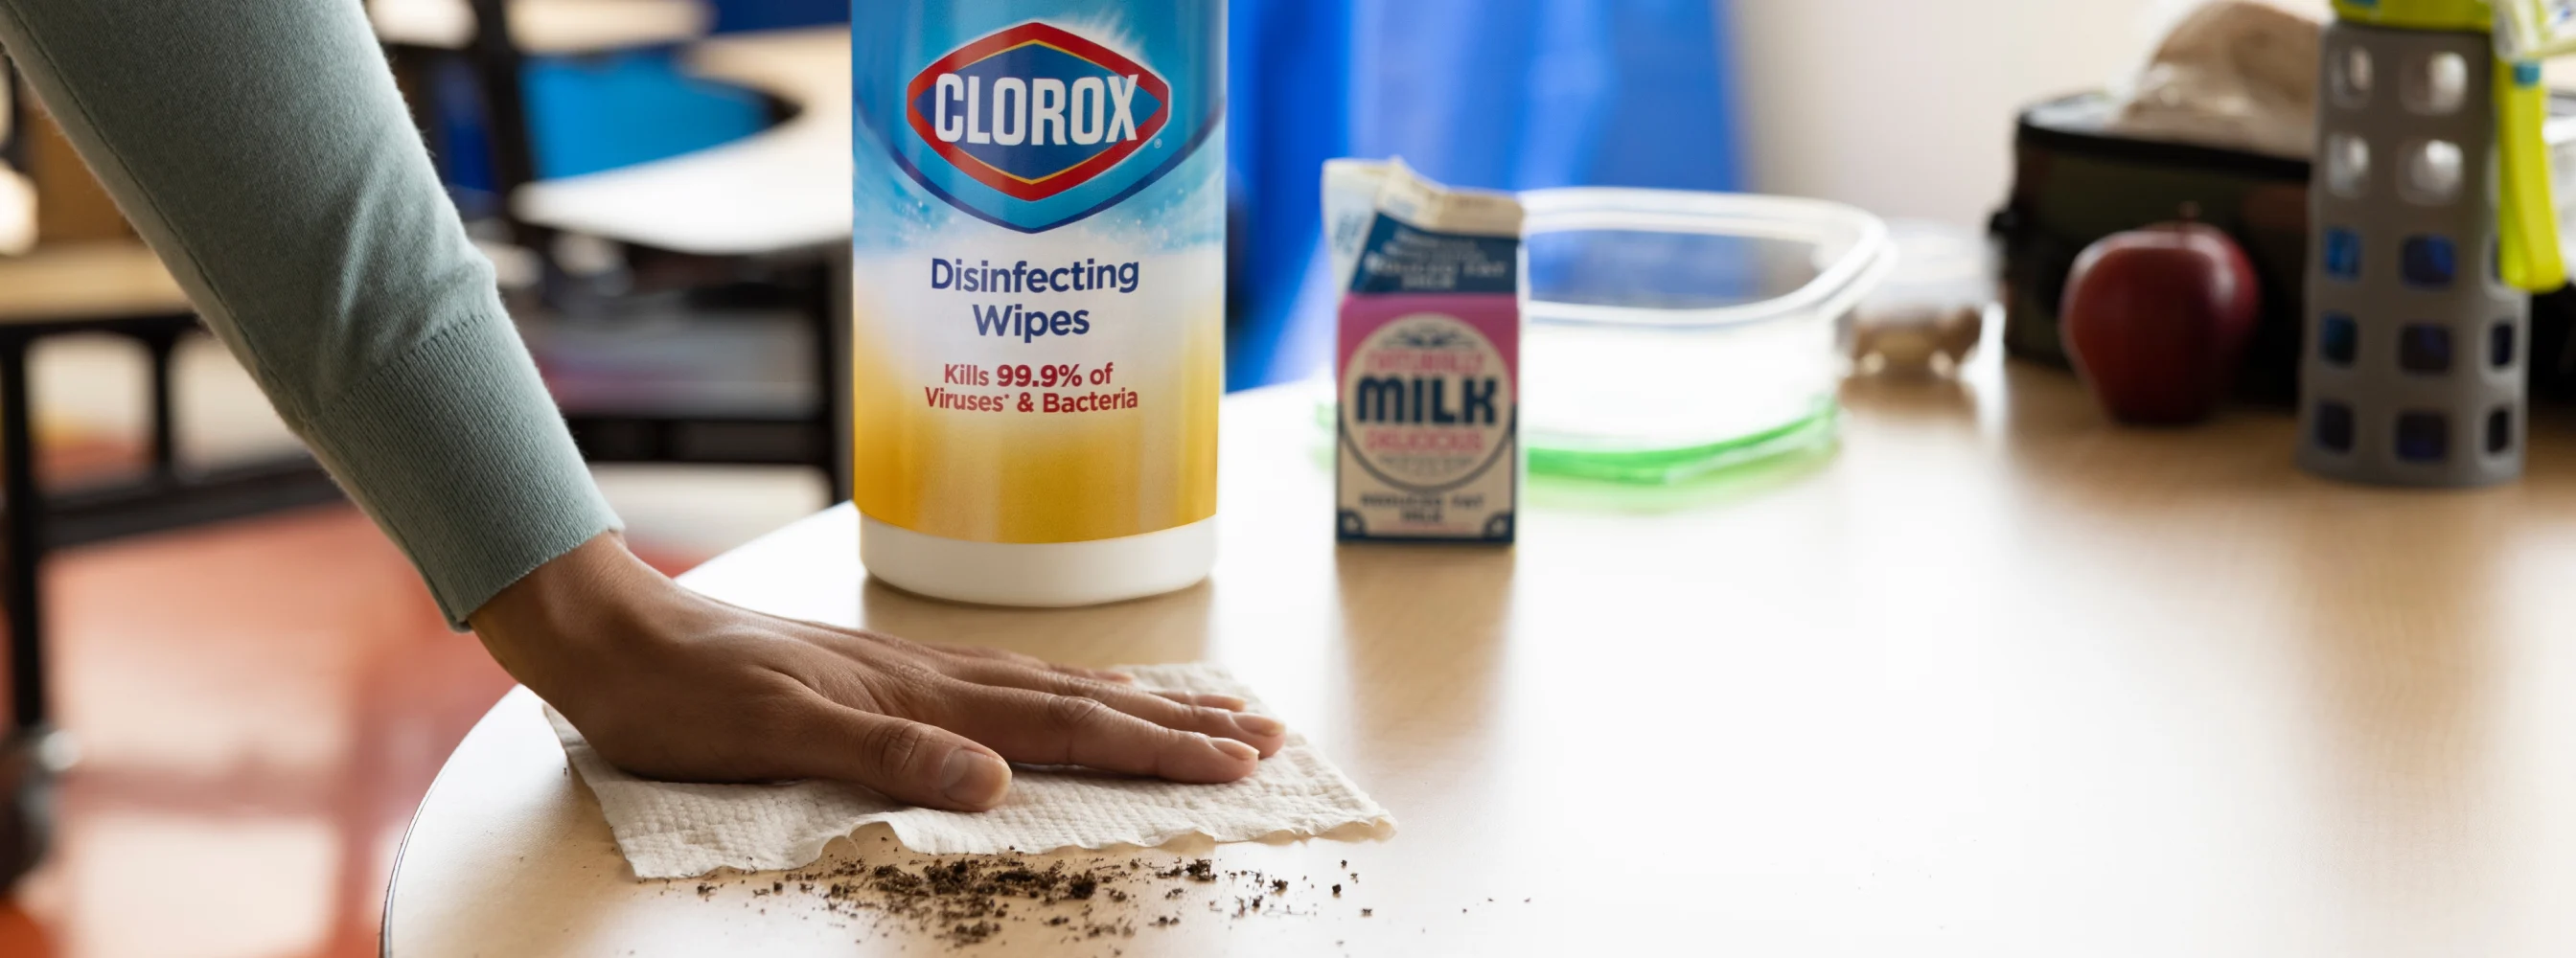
(965, 900)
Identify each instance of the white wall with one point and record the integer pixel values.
(1906, 108)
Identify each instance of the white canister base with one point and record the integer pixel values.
(1038, 575)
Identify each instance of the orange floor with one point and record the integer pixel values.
(260, 705)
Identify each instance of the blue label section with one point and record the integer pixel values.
(1035, 114)
(1402, 259)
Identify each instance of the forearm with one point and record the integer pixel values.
(261, 148)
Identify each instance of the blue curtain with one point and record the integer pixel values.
(1501, 94)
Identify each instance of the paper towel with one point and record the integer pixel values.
(672, 830)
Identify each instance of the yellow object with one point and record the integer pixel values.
(2420, 13)
(2528, 257)
(2469, 15)
(2527, 220)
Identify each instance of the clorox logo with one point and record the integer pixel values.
(1035, 114)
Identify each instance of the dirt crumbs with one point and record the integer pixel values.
(968, 900)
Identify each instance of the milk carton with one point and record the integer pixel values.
(1428, 362)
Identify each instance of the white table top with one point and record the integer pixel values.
(557, 27)
(784, 188)
(1995, 679)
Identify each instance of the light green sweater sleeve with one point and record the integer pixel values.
(261, 148)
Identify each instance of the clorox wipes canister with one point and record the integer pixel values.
(1039, 265)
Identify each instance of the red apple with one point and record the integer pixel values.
(2156, 320)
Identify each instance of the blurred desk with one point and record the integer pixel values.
(1998, 678)
(785, 188)
(114, 288)
(74, 281)
(545, 27)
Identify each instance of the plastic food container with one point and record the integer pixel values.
(1930, 313)
(1672, 333)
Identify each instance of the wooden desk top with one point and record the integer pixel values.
(1995, 679)
(546, 27)
(76, 281)
(784, 188)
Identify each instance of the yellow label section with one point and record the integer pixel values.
(935, 456)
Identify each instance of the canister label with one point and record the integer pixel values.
(1039, 266)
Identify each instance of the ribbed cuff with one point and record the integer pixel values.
(459, 454)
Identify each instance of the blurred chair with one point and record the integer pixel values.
(100, 281)
(688, 309)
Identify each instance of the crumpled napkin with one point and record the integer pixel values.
(675, 830)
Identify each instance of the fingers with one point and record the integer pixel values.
(993, 655)
(1076, 671)
(1040, 728)
(1096, 675)
(906, 760)
(1209, 699)
(982, 654)
(1027, 710)
(1216, 715)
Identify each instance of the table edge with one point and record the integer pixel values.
(394, 876)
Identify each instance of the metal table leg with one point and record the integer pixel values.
(163, 346)
(26, 773)
(831, 309)
(24, 545)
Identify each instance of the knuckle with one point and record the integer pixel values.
(907, 691)
(895, 748)
(1064, 683)
(1073, 713)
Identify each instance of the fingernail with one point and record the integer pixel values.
(1235, 750)
(1117, 677)
(974, 779)
(1258, 724)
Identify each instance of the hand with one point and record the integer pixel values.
(670, 684)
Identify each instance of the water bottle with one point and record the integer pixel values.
(2431, 224)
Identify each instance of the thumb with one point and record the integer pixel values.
(904, 760)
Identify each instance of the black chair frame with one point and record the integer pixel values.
(35, 521)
